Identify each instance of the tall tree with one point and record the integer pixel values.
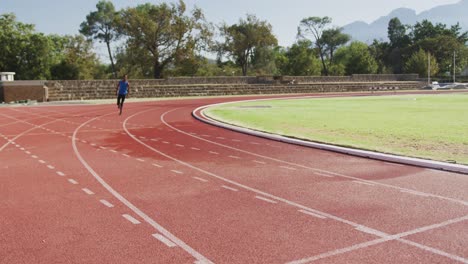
(314, 27)
(242, 39)
(163, 32)
(418, 63)
(331, 40)
(301, 60)
(357, 59)
(101, 25)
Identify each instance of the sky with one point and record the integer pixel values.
(65, 16)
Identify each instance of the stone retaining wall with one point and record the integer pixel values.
(23, 90)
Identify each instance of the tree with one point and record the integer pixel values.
(101, 25)
(163, 32)
(242, 39)
(301, 60)
(418, 63)
(397, 34)
(314, 26)
(357, 59)
(331, 40)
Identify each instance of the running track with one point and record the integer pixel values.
(80, 184)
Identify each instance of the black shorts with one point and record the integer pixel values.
(120, 97)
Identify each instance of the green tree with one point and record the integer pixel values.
(242, 39)
(331, 40)
(357, 59)
(301, 60)
(314, 27)
(163, 32)
(418, 63)
(101, 25)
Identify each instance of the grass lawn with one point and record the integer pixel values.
(426, 126)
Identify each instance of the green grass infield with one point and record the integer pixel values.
(424, 126)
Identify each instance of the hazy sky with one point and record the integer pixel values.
(65, 16)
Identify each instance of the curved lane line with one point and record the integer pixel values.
(127, 203)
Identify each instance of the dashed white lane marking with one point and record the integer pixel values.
(415, 193)
(214, 153)
(181, 146)
(41, 161)
(220, 138)
(266, 199)
(205, 135)
(72, 181)
(141, 160)
(259, 162)
(230, 188)
(131, 219)
(50, 167)
(87, 191)
(195, 148)
(101, 147)
(153, 139)
(364, 183)
(22, 149)
(254, 143)
(287, 168)
(176, 171)
(200, 179)
(125, 155)
(165, 142)
(236, 140)
(92, 144)
(27, 152)
(106, 203)
(60, 173)
(113, 151)
(234, 157)
(312, 214)
(164, 240)
(157, 165)
(323, 174)
(34, 156)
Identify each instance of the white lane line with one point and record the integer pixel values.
(84, 141)
(414, 193)
(41, 161)
(141, 160)
(22, 149)
(27, 152)
(214, 153)
(125, 155)
(164, 240)
(157, 165)
(266, 199)
(230, 188)
(236, 140)
(176, 171)
(60, 173)
(131, 219)
(234, 157)
(200, 179)
(153, 139)
(287, 168)
(92, 144)
(50, 167)
(205, 135)
(364, 183)
(323, 174)
(195, 148)
(101, 147)
(34, 156)
(370, 231)
(87, 191)
(181, 146)
(106, 203)
(312, 214)
(220, 138)
(72, 181)
(165, 142)
(254, 143)
(113, 151)
(259, 162)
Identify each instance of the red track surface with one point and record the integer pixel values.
(81, 184)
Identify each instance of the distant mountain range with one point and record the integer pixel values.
(446, 14)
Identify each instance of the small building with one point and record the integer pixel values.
(7, 76)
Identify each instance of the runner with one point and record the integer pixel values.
(122, 91)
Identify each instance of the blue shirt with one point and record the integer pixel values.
(123, 87)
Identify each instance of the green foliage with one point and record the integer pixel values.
(301, 59)
(242, 40)
(357, 59)
(163, 32)
(102, 26)
(418, 63)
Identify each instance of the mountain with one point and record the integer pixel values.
(446, 14)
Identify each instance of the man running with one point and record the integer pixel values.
(122, 91)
